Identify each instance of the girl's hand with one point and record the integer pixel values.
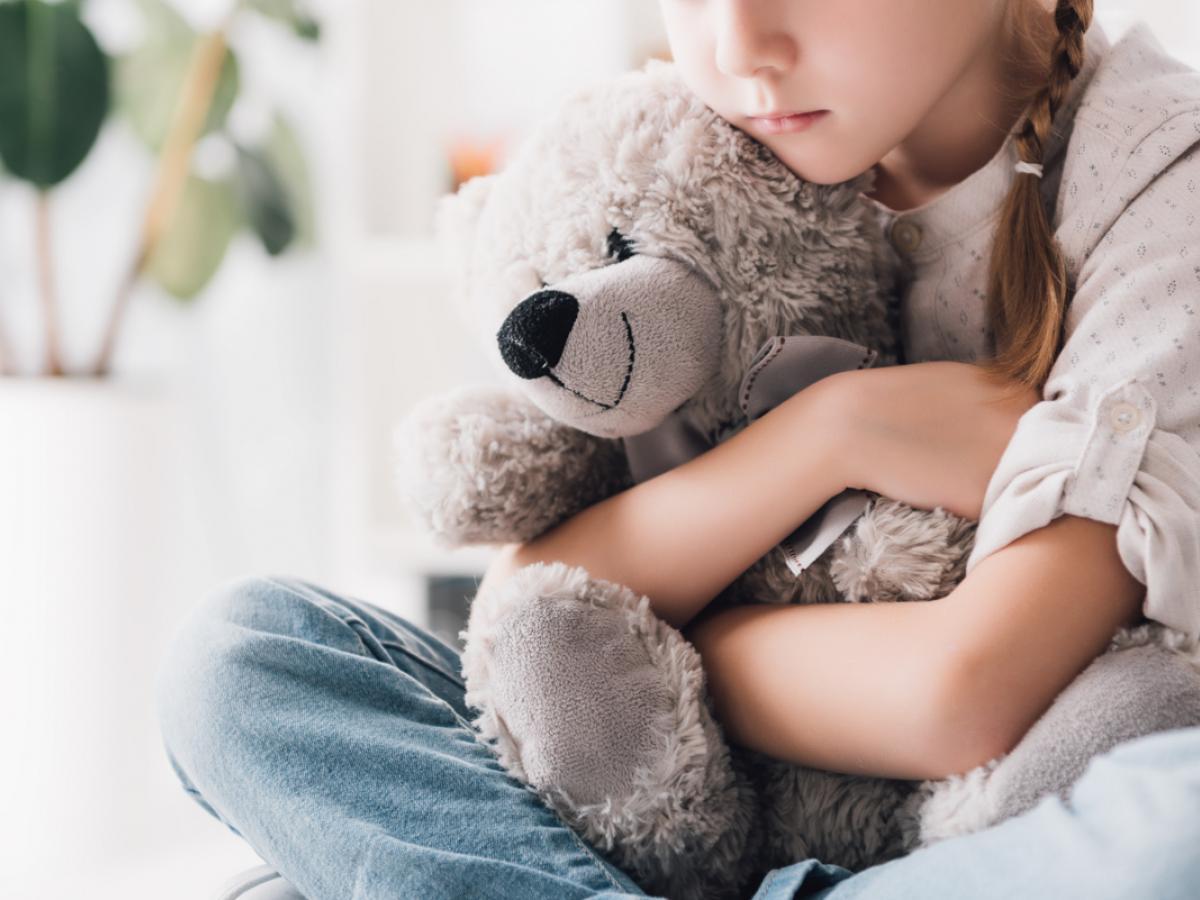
(928, 434)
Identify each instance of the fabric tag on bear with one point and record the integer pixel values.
(805, 545)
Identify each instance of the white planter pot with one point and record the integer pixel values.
(100, 549)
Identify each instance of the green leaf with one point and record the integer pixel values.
(149, 81)
(194, 245)
(290, 12)
(54, 92)
(265, 201)
(282, 149)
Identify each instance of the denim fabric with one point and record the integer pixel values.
(332, 736)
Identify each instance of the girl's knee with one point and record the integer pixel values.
(1177, 748)
(205, 672)
(260, 602)
(1143, 795)
(1160, 771)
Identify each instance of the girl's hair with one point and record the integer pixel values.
(1027, 277)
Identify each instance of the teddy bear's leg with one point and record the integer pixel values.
(600, 706)
(847, 820)
(484, 465)
(1148, 685)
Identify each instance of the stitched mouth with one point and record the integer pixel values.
(604, 407)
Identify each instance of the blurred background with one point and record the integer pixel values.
(218, 294)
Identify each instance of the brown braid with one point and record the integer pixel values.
(1027, 277)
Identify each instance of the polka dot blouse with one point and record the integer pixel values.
(1116, 436)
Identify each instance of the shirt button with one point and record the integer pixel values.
(1124, 416)
(906, 235)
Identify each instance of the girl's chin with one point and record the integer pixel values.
(816, 171)
(819, 169)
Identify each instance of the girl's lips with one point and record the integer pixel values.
(785, 124)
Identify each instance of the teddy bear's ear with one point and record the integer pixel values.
(456, 215)
(456, 226)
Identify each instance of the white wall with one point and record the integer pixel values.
(1176, 23)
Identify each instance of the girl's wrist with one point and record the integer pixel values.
(927, 434)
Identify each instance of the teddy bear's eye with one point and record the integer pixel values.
(619, 246)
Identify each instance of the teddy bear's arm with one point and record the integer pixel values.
(484, 465)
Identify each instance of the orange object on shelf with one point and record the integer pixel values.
(469, 157)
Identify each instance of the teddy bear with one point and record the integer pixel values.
(647, 279)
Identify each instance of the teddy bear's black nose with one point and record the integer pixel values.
(534, 334)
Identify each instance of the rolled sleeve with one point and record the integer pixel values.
(1113, 466)
(1116, 438)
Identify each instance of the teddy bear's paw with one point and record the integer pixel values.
(600, 706)
(484, 465)
(936, 810)
(1151, 684)
(896, 552)
(848, 820)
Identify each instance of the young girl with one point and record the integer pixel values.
(1042, 184)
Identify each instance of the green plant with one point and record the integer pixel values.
(58, 87)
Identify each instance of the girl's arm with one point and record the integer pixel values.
(921, 690)
(924, 690)
(680, 538)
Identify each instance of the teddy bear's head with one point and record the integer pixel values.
(636, 252)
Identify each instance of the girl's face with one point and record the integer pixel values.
(887, 72)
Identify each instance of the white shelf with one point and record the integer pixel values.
(418, 552)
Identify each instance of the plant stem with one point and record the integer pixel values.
(196, 96)
(46, 282)
(7, 367)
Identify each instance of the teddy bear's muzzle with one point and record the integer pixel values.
(613, 350)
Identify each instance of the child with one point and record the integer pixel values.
(1078, 453)
(333, 735)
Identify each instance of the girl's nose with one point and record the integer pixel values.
(749, 41)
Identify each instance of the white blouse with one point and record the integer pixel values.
(1116, 437)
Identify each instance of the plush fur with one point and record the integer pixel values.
(625, 267)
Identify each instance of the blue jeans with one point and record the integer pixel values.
(332, 736)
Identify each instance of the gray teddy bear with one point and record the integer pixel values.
(649, 279)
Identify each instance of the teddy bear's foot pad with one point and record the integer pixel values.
(600, 706)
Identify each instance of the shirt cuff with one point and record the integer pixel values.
(1112, 465)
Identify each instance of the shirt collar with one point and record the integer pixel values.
(976, 199)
